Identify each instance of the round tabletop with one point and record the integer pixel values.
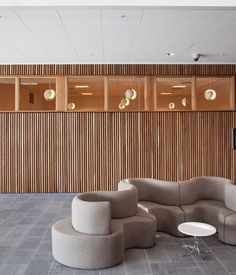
(197, 229)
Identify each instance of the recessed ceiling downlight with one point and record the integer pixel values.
(166, 93)
(178, 86)
(81, 86)
(88, 93)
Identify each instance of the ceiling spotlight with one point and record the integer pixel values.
(49, 94)
(169, 54)
(210, 94)
(130, 94)
(196, 56)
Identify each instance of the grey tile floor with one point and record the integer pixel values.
(25, 244)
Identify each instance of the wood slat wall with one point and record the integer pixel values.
(77, 152)
(117, 69)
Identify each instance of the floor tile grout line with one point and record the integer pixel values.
(126, 273)
(149, 265)
(45, 237)
(202, 271)
(49, 270)
(218, 260)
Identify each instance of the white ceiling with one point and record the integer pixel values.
(77, 34)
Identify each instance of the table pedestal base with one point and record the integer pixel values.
(196, 248)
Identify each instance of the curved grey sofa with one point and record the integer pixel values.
(102, 226)
(204, 199)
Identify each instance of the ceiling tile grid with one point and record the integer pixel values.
(117, 35)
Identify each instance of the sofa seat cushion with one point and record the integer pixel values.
(208, 211)
(79, 250)
(139, 230)
(168, 217)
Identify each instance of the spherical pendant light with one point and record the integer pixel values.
(130, 94)
(49, 94)
(210, 94)
(121, 106)
(124, 101)
(184, 102)
(71, 106)
(171, 105)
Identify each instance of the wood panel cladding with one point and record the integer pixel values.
(77, 152)
(117, 69)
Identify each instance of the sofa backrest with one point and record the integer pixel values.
(202, 188)
(230, 196)
(92, 211)
(158, 191)
(90, 216)
(185, 192)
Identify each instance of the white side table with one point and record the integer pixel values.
(197, 230)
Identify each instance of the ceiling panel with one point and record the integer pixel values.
(83, 29)
(120, 30)
(47, 29)
(121, 16)
(117, 35)
(8, 16)
(161, 16)
(42, 54)
(200, 16)
(12, 29)
(40, 15)
(80, 16)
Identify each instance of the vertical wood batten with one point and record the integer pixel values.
(117, 69)
(77, 152)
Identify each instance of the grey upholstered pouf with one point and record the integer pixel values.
(78, 250)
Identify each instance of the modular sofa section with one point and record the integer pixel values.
(203, 199)
(103, 225)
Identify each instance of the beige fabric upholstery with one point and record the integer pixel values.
(205, 199)
(168, 217)
(162, 192)
(202, 188)
(230, 197)
(208, 211)
(230, 229)
(79, 250)
(103, 225)
(91, 217)
(139, 230)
